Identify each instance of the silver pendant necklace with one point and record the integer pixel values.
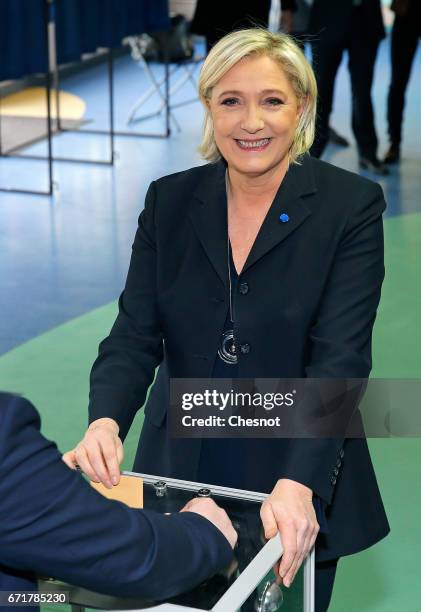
(227, 350)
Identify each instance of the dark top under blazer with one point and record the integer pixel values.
(314, 287)
(53, 523)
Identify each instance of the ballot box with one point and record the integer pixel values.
(248, 585)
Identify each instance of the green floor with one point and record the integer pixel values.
(52, 371)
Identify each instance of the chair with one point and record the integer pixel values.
(175, 48)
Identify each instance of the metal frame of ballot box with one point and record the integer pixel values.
(49, 158)
(235, 595)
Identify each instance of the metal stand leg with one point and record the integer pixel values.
(49, 136)
(188, 76)
(1, 154)
(111, 101)
(167, 94)
(49, 158)
(309, 582)
(154, 89)
(110, 132)
(52, 63)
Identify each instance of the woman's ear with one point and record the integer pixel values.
(302, 106)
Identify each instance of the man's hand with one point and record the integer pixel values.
(207, 508)
(287, 21)
(289, 510)
(99, 454)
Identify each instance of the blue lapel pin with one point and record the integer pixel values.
(284, 218)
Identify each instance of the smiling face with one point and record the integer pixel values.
(255, 113)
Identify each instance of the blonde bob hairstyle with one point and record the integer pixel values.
(282, 49)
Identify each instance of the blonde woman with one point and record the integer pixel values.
(262, 263)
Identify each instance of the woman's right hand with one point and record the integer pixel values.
(99, 454)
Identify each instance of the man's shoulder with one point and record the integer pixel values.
(15, 413)
(12, 403)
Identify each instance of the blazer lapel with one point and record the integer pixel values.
(289, 204)
(209, 217)
(209, 214)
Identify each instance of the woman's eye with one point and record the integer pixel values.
(274, 101)
(229, 101)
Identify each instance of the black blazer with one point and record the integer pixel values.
(334, 22)
(52, 523)
(314, 286)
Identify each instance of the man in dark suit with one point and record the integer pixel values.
(355, 26)
(214, 23)
(52, 523)
(406, 34)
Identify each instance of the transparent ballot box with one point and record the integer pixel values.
(248, 584)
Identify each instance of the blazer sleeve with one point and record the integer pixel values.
(340, 338)
(53, 523)
(127, 358)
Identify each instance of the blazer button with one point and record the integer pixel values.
(243, 288)
(245, 348)
(333, 480)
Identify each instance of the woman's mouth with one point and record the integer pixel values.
(253, 145)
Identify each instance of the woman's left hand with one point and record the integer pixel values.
(289, 510)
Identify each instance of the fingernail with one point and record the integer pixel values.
(287, 582)
(115, 480)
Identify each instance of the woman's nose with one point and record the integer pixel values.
(252, 120)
